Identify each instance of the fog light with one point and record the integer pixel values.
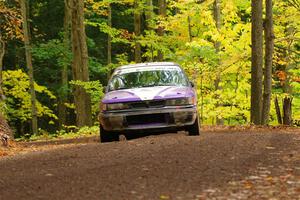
(116, 121)
(180, 117)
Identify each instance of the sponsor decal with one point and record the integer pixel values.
(147, 93)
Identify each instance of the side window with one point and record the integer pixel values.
(116, 83)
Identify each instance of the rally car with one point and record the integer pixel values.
(148, 96)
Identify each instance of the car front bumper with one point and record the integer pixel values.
(139, 119)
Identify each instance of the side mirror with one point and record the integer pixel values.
(192, 84)
(104, 88)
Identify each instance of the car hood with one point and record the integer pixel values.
(148, 93)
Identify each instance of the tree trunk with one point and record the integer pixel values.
(217, 17)
(269, 38)
(62, 109)
(2, 52)
(109, 22)
(277, 108)
(137, 32)
(149, 24)
(162, 4)
(190, 29)
(202, 97)
(287, 111)
(256, 61)
(149, 14)
(80, 65)
(287, 88)
(29, 65)
(5, 131)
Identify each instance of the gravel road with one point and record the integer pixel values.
(170, 166)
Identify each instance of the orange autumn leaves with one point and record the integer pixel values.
(10, 22)
(282, 76)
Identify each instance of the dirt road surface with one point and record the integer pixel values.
(171, 166)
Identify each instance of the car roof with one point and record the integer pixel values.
(148, 64)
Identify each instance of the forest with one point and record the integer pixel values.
(57, 55)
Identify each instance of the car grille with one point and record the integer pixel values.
(160, 118)
(148, 104)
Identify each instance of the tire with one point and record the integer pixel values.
(194, 129)
(107, 136)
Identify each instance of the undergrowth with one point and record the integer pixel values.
(67, 132)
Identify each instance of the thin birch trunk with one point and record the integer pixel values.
(269, 38)
(278, 112)
(162, 4)
(109, 22)
(190, 29)
(287, 88)
(2, 52)
(29, 65)
(62, 109)
(149, 24)
(137, 32)
(217, 16)
(149, 14)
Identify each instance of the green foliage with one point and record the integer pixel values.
(203, 63)
(74, 132)
(95, 89)
(116, 34)
(18, 99)
(53, 50)
(190, 39)
(68, 132)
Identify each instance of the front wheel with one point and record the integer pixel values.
(194, 129)
(107, 136)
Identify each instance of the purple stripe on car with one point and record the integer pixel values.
(169, 92)
(120, 97)
(175, 92)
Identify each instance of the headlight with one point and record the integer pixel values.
(117, 106)
(103, 107)
(181, 102)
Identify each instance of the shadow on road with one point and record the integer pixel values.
(132, 135)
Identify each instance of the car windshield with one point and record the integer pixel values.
(148, 78)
